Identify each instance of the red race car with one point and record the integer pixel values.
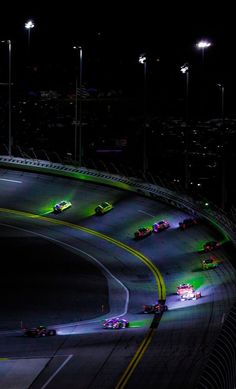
(142, 232)
(38, 332)
(160, 226)
(155, 308)
(187, 223)
(184, 288)
(212, 245)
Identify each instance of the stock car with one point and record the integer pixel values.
(211, 245)
(161, 225)
(187, 223)
(62, 206)
(142, 232)
(190, 296)
(210, 263)
(38, 332)
(103, 208)
(115, 323)
(184, 288)
(155, 308)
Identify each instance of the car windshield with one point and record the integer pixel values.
(63, 203)
(104, 205)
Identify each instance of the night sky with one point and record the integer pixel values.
(113, 35)
(119, 32)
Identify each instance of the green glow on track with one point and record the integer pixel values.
(140, 323)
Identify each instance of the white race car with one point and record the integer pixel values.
(190, 296)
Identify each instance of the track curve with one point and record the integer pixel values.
(176, 256)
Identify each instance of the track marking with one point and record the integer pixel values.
(145, 213)
(105, 270)
(158, 277)
(57, 371)
(135, 360)
(4, 179)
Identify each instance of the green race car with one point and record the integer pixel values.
(210, 263)
(62, 206)
(103, 208)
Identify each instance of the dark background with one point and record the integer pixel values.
(112, 36)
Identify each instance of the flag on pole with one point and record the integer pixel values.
(82, 92)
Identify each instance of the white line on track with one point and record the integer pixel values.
(83, 252)
(4, 179)
(57, 371)
(146, 213)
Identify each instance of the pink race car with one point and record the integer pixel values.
(183, 288)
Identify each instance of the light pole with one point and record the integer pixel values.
(185, 70)
(203, 44)
(29, 25)
(9, 96)
(222, 90)
(223, 154)
(80, 107)
(143, 61)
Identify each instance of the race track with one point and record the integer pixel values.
(72, 270)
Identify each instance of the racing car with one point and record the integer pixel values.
(39, 331)
(190, 296)
(155, 308)
(184, 288)
(161, 225)
(211, 245)
(210, 263)
(62, 206)
(115, 323)
(187, 223)
(142, 232)
(103, 208)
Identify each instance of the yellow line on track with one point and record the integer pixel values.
(158, 277)
(135, 360)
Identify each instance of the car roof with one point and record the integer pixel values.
(208, 260)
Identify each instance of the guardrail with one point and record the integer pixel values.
(184, 202)
(219, 371)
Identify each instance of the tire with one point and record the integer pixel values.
(51, 333)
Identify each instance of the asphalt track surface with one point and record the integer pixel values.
(70, 271)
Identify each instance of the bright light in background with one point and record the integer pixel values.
(184, 68)
(29, 24)
(203, 44)
(142, 58)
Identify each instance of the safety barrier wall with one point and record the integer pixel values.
(184, 202)
(220, 372)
